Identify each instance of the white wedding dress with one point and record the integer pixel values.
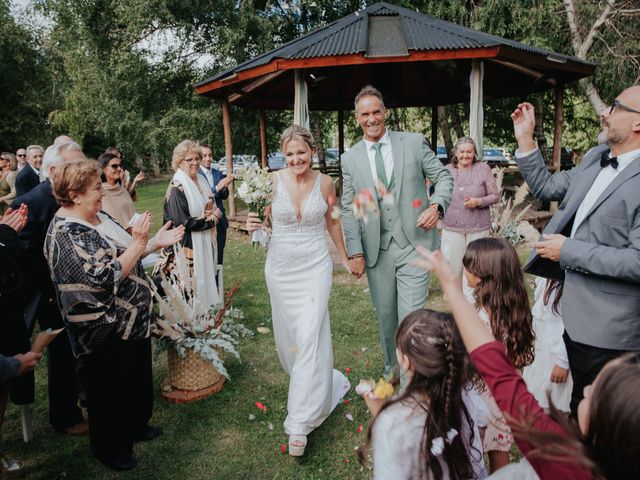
(299, 271)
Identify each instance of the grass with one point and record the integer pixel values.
(214, 438)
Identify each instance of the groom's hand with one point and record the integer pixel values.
(356, 265)
(428, 219)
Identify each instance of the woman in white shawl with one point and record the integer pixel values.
(188, 202)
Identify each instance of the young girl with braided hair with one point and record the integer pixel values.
(492, 270)
(603, 445)
(429, 431)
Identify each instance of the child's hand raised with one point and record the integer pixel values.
(433, 261)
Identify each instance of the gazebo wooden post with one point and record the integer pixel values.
(557, 126)
(228, 149)
(434, 128)
(263, 138)
(340, 147)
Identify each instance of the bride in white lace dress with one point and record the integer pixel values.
(299, 277)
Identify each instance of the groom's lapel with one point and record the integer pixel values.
(397, 148)
(364, 167)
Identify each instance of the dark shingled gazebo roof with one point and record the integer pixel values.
(413, 58)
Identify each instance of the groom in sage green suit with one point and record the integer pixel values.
(384, 245)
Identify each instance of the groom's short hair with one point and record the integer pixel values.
(368, 91)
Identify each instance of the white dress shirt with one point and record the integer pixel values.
(208, 174)
(387, 155)
(602, 181)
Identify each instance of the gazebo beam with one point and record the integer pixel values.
(340, 147)
(263, 138)
(434, 129)
(345, 60)
(557, 126)
(228, 149)
(537, 76)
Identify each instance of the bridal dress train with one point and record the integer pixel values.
(299, 271)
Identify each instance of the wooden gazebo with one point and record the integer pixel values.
(413, 58)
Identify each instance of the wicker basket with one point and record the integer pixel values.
(191, 372)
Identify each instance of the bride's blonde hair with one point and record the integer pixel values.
(299, 133)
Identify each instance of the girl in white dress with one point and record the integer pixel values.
(430, 430)
(549, 371)
(299, 278)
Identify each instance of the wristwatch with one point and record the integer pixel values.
(439, 208)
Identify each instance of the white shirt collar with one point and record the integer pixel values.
(385, 139)
(626, 158)
(35, 169)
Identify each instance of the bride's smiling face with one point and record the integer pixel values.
(298, 155)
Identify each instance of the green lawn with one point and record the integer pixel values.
(214, 438)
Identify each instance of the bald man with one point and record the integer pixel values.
(593, 240)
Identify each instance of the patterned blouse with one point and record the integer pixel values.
(96, 302)
(475, 182)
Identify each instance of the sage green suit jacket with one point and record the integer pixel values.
(413, 163)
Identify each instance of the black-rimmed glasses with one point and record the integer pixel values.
(621, 106)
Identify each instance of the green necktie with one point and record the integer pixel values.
(382, 174)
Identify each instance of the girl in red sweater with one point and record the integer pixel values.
(607, 442)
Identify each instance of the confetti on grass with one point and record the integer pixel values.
(261, 406)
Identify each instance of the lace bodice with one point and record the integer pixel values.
(284, 217)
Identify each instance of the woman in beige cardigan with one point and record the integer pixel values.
(117, 201)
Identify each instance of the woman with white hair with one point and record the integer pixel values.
(188, 202)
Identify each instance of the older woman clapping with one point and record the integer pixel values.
(106, 305)
(188, 202)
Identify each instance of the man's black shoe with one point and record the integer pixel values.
(149, 434)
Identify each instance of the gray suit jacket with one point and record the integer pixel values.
(601, 263)
(413, 163)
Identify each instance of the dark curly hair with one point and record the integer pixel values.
(441, 371)
(503, 295)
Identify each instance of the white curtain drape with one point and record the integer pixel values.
(476, 112)
(301, 102)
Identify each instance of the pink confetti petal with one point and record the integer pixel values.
(261, 406)
(283, 448)
(346, 401)
(416, 203)
(347, 370)
(360, 428)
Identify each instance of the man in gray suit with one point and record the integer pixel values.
(593, 240)
(398, 163)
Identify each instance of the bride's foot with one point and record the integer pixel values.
(297, 444)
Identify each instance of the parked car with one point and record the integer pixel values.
(495, 156)
(276, 161)
(567, 157)
(331, 156)
(239, 162)
(441, 153)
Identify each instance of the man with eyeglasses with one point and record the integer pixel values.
(593, 240)
(29, 177)
(21, 156)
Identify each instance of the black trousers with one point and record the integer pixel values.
(117, 381)
(221, 238)
(585, 362)
(63, 388)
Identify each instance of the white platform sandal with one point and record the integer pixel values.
(297, 444)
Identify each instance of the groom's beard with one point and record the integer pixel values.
(602, 137)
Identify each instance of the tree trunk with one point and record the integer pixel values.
(395, 125)
(455, 120)
(539, 132)
(443, 120)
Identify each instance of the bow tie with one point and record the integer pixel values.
(605, 160)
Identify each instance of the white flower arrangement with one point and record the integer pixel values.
(184, 323)
(256, 189)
